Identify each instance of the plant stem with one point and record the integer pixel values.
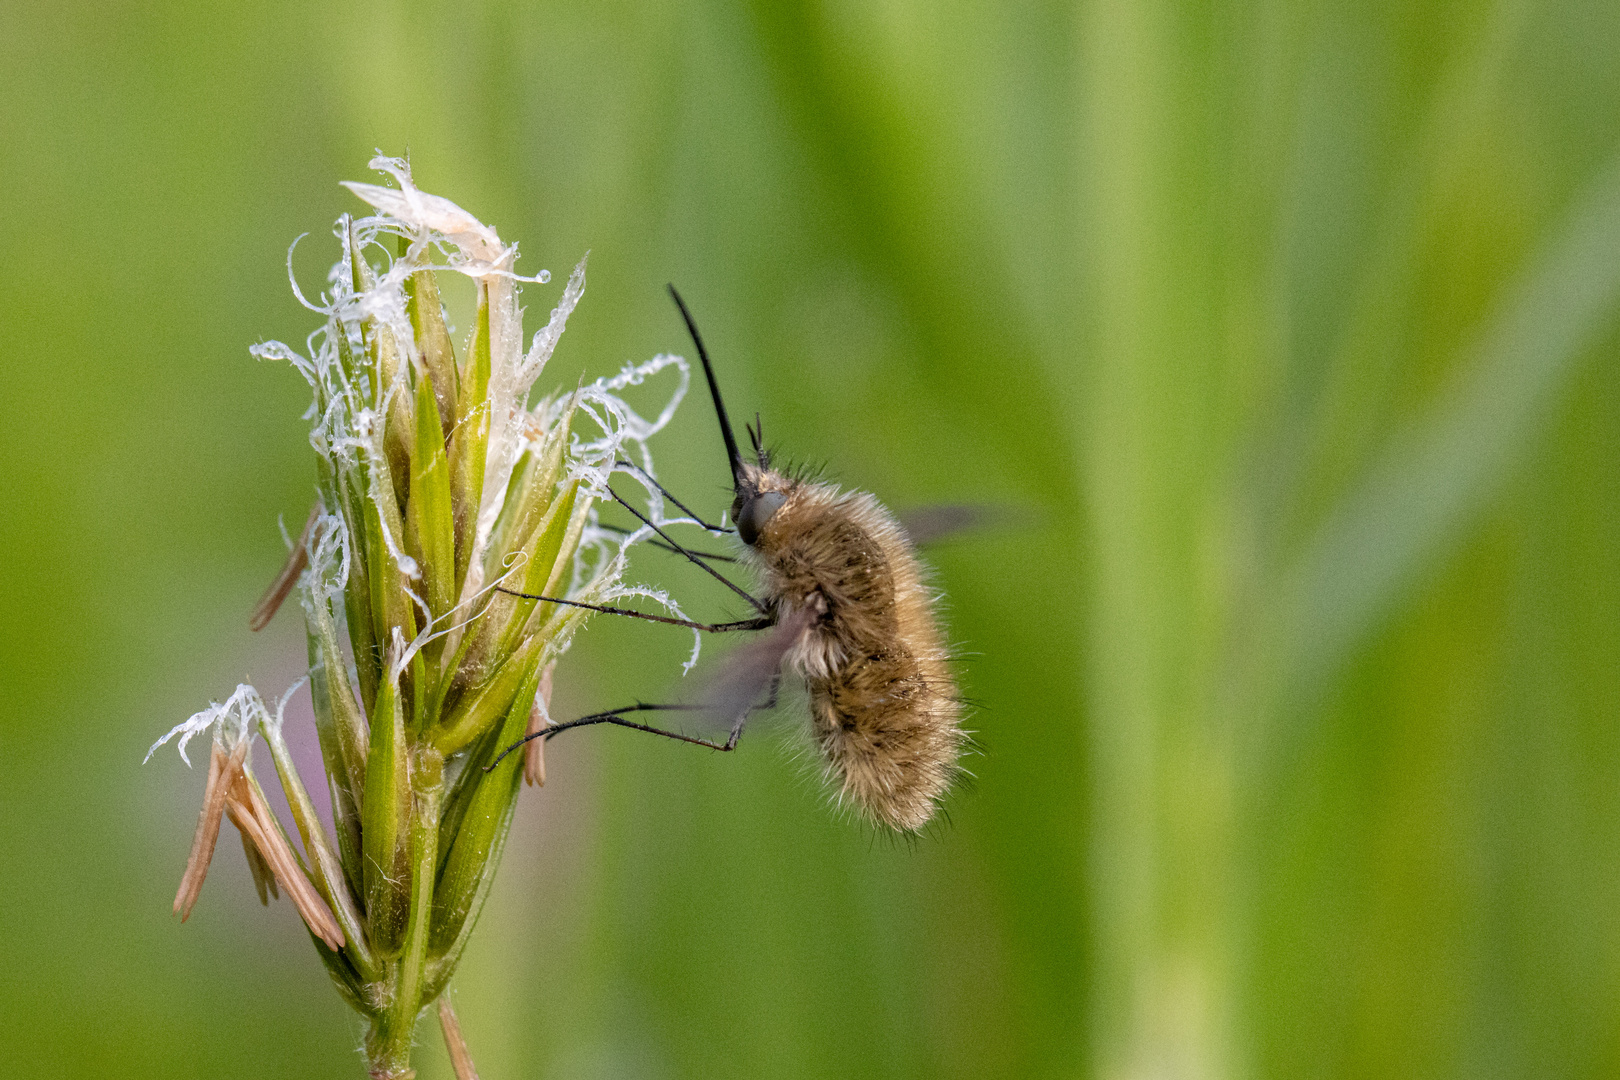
(389, 1046)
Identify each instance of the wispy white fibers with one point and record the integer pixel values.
(232, 720)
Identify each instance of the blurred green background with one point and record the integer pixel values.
(1288, 328)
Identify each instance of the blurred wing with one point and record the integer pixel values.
(748, 672)
(925, 524)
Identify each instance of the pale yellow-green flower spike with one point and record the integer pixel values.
(438, 483)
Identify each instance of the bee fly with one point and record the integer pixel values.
(849, 610)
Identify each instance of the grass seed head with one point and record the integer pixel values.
(437, 481)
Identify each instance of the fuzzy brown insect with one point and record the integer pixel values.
(851, 613)
(884, 709)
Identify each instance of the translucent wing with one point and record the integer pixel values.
(749, 672)
(926, 524)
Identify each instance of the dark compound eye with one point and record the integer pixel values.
(755, 513)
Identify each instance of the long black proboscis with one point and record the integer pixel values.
(714, 390)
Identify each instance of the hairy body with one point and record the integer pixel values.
(885, 714)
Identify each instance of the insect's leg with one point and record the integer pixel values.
(660, 544)
(759, 605)
(665, 493)
(768, 703)
(616, 717)
(761, 623)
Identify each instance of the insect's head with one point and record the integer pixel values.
(752, 507)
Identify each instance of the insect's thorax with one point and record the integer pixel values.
(829, 543)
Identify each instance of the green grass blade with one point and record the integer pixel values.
(1385, 533)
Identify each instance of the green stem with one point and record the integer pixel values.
(389, 1045)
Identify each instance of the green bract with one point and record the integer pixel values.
(437, 482)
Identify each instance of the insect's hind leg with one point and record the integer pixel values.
(742, 718)
(616, 718)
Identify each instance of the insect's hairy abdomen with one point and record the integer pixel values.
(884, 707)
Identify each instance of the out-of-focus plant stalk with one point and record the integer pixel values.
(437, 483)
(1167, 350)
